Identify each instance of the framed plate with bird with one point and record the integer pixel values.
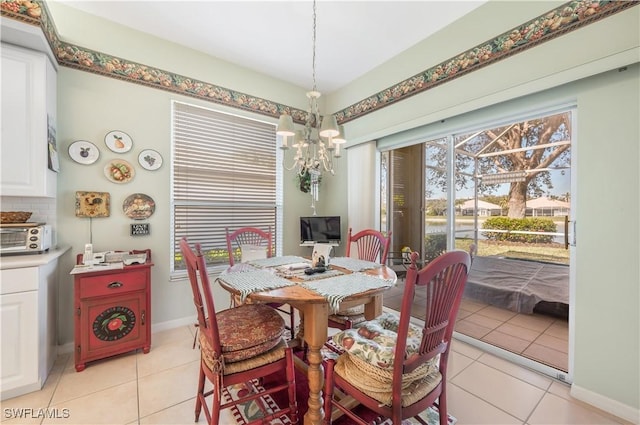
(92, 204)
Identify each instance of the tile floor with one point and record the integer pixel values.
(539, 337)
(159, 388)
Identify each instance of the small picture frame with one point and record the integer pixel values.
(92, 204)
(140, 229)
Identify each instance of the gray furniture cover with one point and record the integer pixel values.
(517, 285)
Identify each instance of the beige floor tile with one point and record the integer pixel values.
(114, 405)
(457, 363)
(502, 390)
(471, 329)
(556, 410)
(167, 356)
(561, 389)
(469, 409)
(548, 356)
(179, 414)
(97, 376)
(169, 336)
(534, 378)
(554, 343)
(465, 349)
(518, 331)
(508, 342)
(153, 394)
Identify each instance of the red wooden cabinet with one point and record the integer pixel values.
(112, 312)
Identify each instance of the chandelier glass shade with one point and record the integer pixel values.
(317, 144)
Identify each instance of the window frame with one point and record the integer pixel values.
(226, 199)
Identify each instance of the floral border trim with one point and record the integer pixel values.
(566, 18)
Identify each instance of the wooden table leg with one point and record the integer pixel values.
(315, 333)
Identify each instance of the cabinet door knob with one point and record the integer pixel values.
(115, 284)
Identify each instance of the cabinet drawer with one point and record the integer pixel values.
(112, 283)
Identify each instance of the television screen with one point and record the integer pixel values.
(320, 229)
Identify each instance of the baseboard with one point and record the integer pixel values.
(172, 324)
(155, 327)
(613, 407)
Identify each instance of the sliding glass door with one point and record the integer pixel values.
(503, 193)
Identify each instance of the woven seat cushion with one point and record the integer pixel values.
(248, 330)
(212, 362)
(374, 341)
(368, 380)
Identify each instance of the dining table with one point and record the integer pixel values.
(347, 282)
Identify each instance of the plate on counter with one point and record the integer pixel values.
(118, 141)
(138, 206)
(150, 159)
(119, 171)
(84, 152)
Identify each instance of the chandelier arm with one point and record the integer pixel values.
(313, 155)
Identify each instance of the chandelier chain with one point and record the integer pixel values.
(313, 40)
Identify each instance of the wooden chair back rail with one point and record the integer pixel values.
(247, 236)
(371, 245)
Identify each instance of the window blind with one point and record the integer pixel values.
(224, 175)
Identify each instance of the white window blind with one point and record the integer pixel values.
(224, 175)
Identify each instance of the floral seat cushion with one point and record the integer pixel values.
(374, 341)
(249, 330)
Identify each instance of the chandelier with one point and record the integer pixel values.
(317, 145)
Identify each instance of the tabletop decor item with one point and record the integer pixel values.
(92, 204)
(138, 206)
(150, 159)
(118, 141)
(119, 171)
(84, 152)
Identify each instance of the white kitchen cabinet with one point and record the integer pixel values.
(28, 340)
(28, 112)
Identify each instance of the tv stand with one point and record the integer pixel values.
(312, 243)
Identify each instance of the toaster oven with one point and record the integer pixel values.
(24, 238)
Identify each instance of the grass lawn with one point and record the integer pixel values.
(552, 253)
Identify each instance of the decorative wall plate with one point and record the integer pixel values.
(92, 204)
(138, 206)
(150, 159)
(118, 141)
(119, 171)
(84, 152)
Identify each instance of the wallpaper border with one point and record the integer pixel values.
(561, 20)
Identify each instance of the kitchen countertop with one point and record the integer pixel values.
(31, 260)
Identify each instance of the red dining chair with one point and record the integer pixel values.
(373, 246)
(237, 345)
(392, 366)
(250, 243)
